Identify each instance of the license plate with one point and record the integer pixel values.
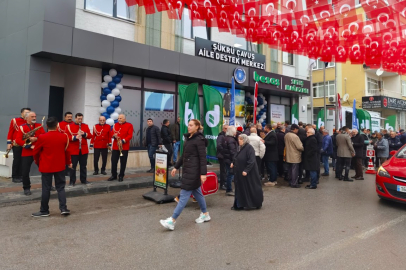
(401, 188)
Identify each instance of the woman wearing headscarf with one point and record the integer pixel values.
(247, 182)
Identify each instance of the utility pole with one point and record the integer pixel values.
(324, 99)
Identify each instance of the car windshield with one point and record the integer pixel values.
(401, 153)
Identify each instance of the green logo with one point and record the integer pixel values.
(267, 80)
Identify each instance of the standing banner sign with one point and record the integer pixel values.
(213, 116)
(232, 103)
(390, 123)
(320, 119)
(255, 102)
(189, 107)
(354, 116)
(295, 114)
(340, 113)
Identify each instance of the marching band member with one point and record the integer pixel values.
(78, 134)
(122, 134)
(66, 122)
(11, 144)
(51, 155)
(28, 145)
(100, 141)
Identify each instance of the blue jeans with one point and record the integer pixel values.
(151, 155)
(325, 163)
(313, 178)
(184, 198)
(176, 149)
(229, 178)
(271, 168)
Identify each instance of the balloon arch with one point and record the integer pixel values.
(110, 99)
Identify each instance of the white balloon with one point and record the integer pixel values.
(102, 110)
(111, 97)
(261, 120)
(114, 116)
(265, 102)
(104, 85)
(115, 92)
(258, 109)
(119, 86)
(263, 116)
(113, 72)
(261, 107)
(107, 78)
(105, 103)
(110, 122)
(117, 110)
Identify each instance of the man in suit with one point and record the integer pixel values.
(271, 155)
(345, 151)
(51, 155)
(153, 142)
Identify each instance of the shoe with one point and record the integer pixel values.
(150, 171)
(71, 185)
(310, 187)
(359, 178)
(194, 200)
(230, 193)
(120, 179)
(168, 223)
(40, 214)
(103, 172)
(27, 192)
(348, 179)
(53, 189)
(355, 176)
(203, 218)
(237, 208)
(86, 183)
(325, 174)
(270, 184)
(176, 199)
(223, 187)
(295, 186)
(95, 173)
(340, 178)
(17, 180)
(112, 178)
(65, 212)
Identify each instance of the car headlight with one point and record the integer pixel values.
(382, 172)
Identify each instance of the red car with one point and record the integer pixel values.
(391, 177)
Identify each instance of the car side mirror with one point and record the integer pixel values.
(392, 153)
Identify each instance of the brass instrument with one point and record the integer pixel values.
(80, 136)
(120, 146)
(8, 150)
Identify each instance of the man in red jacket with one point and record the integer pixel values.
(66, 122)
(28, 146)
(121, 131)
(11, 144)
(100, 141)
(78, 134)
(51, 156)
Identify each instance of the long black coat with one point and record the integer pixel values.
(248, 189)
(193, 160)
(311, 157)
(281, 142)
(302, 134)
(166, 135)
(155, 135)
(271, 144)
(358, 144)
(230, 148)
(220, 142)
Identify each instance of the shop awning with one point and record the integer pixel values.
(364, 119)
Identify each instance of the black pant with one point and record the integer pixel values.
(223, 173)
(343, 164)
(115, 155)
(170, 152)
(17, 171)
(358, 167)
(293, 173)
(46, 189)
(26, 167)
(281, 169)
(96, 156)
(82, 160)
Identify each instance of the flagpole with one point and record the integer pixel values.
(311, 93)
(335, 94)
(324, 99)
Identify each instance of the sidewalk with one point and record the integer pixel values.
(12, 193)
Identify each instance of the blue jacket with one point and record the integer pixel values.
(403, 138)
(382, 148)
(394, 144)
(327, 146)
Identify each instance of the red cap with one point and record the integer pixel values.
(240, 129)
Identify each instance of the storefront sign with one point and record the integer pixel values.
(240, 75)
(273, 81)
(377, 102)
(161, 170)
(229, 54)
(277, 113)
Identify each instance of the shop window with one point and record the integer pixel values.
(404, 88)
(240, 43)
(287, 58)
(191, 32)
(113, 8)
(131, 108)
(373, 87)
(318, 89)
(320, 65)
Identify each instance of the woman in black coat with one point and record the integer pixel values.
(194, 173)
(311, 159)
(247, 182)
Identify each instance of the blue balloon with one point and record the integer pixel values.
(110, 109)
(115, 104)
(116, 121)
(112, 85)
(106, 91)
(118, 98)
(105, 72)
(105, 114)
(116, 80)
(120, 75)
(260, 101)
(103, 97)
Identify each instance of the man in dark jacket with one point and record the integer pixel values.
(167, 139)
(326, 152)
(230, 149)
(394, 142)
(153, 141)
(301, 133)
(402, 136)
(220, 142)
(311, 158)
(271, 155)
(281, 148)
(175, 133)
(358, 144)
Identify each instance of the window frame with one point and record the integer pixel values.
(330, 87)
(114, 15)
(403, 88)
(319, 65)
(290, 56)
(377, 82)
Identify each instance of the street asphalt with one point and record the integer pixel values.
(341, 225)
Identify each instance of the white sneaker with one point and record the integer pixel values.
(168, 223)
(203, 218)
(270, 184)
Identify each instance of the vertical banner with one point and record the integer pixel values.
(320, 119)
(189, 107)
(364, 119)
(161, 170)
(213, 116)
(277, 113)
(390, 123)
(340, 113)
(232, 103)
(295, 114)
(354, 115)
(255, 102)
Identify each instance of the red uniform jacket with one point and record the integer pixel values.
(101, 136)
(14, 128)
(72, 132)
(51, 152)
(124, 132)
(27, 151)
(62, 126)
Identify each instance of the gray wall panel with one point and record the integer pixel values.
(131, 54)
(192, 66)
(3, 19)
(60, 11)
(92, 46)
(36, 12)
(14, 94)
(57, 39)
(216, 71)
(38, 91)
(16, 47)
(164, 60)
(17, 15)
(35, 38)
(3, 63)
(38, 64)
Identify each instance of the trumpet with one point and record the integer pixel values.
(120, 146)
(8, 150)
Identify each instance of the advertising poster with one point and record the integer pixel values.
(390, 123)
(238, 99)
(161, 171)
(277, 113)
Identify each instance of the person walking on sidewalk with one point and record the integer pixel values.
(326, 152)
(101, 142)
(51, 155)
(194, 173)
(175, 133)
(153, 142)
(345, 151)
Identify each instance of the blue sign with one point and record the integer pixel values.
(239, 75)
(232, 106)
(354, 115)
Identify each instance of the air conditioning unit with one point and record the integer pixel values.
(332, 99)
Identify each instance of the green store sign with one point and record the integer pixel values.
(271, 81)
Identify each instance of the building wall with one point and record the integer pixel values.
(317, 76)
(392, 86)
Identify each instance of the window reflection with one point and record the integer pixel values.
(158, 102)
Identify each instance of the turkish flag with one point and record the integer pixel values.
(356, 54)
(161, 5)
(315, 3)
(235, 19)
(340, 54)
(251, 9)
(290, 6)
(222, 18)
(369, 5)
(387, 20)
(344, 9)
(303, 17)
(323, 13)
(269, 7)
(131, 2)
